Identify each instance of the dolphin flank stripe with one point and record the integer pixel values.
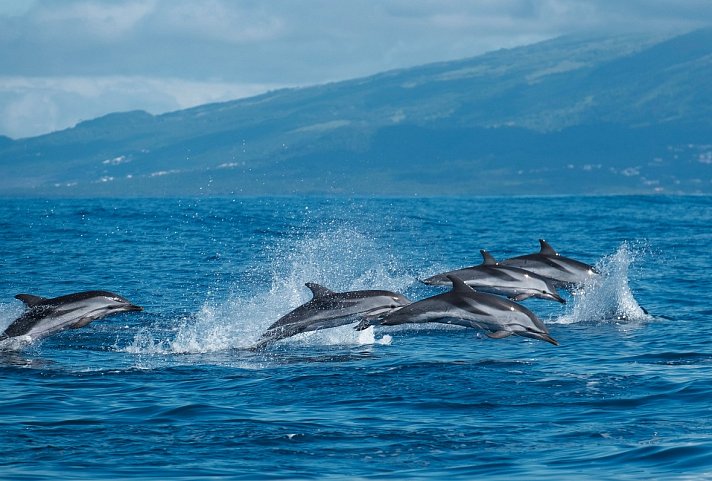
(463, 306)
(563, 271)
(504, 280)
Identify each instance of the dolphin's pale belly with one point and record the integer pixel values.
(63, 320)
(497, 321)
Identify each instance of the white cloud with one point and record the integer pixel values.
(99, 19)
(32, 106)
(215, 20)
(83, 58)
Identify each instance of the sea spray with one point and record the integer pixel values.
(340, 257)
(8, 313)
(608, 297)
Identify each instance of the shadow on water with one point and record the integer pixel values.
(16, 359)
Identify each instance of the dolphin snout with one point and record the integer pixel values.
(555, 297)
(133, 307)
(542, 336)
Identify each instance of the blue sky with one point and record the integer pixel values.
(63, 61)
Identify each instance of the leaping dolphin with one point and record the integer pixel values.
(463, 306)
(329, 309)
(47, 316)
(495, 278)
(564, 271)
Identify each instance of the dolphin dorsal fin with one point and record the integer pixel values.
(487, 259)
(546, 249)
(30, 300)
(318, 291)
(458, 285)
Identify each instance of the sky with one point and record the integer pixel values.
(64, 61)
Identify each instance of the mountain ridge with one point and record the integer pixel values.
(631, 114)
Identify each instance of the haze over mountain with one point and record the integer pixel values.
(574, 115)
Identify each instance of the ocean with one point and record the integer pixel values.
(174, 392)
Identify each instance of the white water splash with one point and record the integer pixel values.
(340, 336)
(608, 297)
(8, 313)
(340, 258)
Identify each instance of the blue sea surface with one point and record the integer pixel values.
(175, 392)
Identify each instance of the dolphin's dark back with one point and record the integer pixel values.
(34, 301)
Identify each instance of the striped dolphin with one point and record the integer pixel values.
(329, 309)
(46, 316)
(564, 271)
(495, 278)
(463, 306)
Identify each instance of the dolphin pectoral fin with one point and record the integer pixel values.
(499, 334)
(363, 325)
(81, 323)
(521, 297)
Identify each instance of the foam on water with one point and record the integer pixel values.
(608, 297)
(341, 258)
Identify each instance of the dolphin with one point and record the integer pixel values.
(47, 316)
(329, 309)
(495, 278)
(565, 272)
(463, 306)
